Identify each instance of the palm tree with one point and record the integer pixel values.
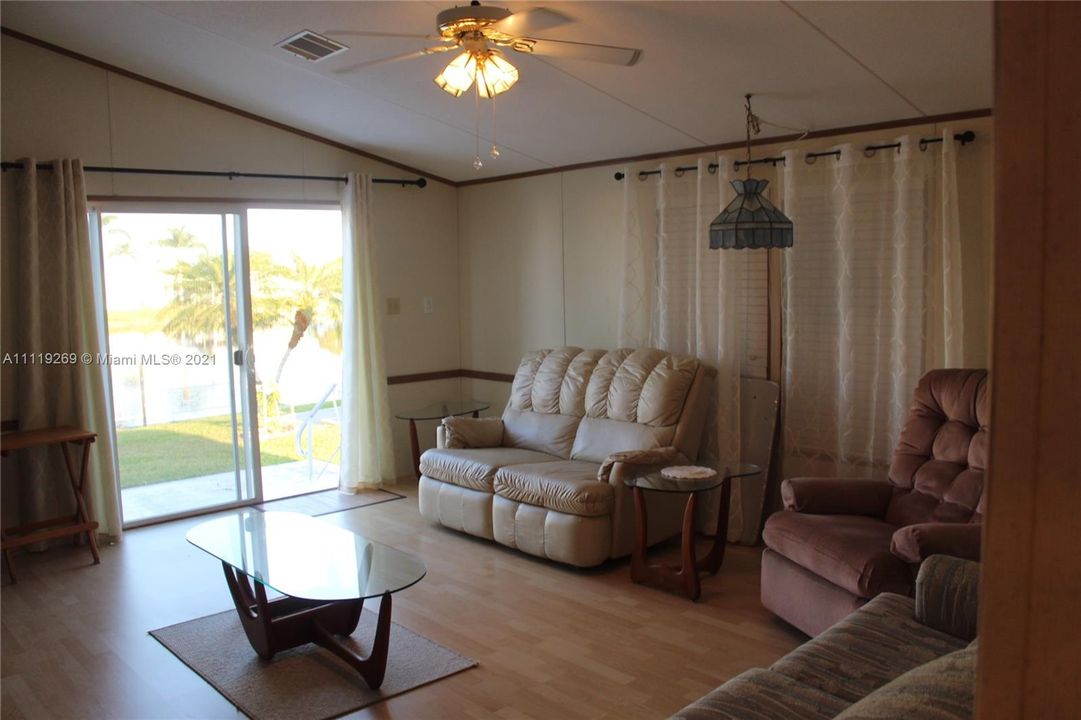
(180, 238)
(194, 314)
(317, 291)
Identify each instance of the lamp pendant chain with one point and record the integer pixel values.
(495, 148)
(477, 164)
(752, 122)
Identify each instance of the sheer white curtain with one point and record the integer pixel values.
(680, 296)
(56, 313)
(367, 447)
(872, 299)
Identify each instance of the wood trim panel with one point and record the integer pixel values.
(831, 132)
(448, 374)
(219, 105)
(1030, 647)
(484, 375)
(423, 377)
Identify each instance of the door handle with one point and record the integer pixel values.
(238, 357)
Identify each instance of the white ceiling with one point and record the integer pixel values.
(813, 65)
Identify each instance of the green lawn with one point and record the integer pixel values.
(192, 448)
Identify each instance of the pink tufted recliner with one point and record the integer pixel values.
(838, 542)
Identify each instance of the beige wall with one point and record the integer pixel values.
(540, 257)
(54, 106)
(537, 258)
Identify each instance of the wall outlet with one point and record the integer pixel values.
(428, 306)
(394, 306)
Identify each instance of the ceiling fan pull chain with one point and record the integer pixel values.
(477, 164)
(495, 147)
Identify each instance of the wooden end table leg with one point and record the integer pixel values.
(77, 485)
(641, 540)
(414, 445)
(689, 570)
(712, 562)
(9, 562)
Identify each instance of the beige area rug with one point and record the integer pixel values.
(325, 502)
(308, 681)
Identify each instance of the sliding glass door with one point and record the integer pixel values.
(296, 289)
(224, 335)
(178, 324)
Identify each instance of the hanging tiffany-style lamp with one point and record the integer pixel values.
(750, 221)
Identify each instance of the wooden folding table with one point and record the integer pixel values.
(63, 525)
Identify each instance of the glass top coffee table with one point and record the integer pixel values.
(437, 411)
(691, 480)
(324, 574)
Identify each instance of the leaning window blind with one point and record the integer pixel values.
(681, 256)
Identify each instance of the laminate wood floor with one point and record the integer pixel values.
(552, 642)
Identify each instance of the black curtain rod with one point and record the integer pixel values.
(230, 174)
(964, 138)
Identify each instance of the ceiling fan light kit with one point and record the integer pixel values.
(475, 29)
(492, 73)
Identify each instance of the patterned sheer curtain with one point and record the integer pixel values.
(872, 299)
(680, 296)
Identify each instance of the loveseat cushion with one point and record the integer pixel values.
(598, 438)
(547, 433)
(475, 468)
(850, 551)
(869, 648)
(568, 486)
(759, 694)
(939, 690)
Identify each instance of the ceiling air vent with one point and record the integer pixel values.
(311, 46)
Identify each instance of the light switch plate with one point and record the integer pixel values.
(394, 306)
(428, 306)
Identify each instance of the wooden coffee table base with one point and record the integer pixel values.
(683, 579)
(273, 626)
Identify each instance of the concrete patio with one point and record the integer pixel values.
(177, 496)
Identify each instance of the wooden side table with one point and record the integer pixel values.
(63, 525)
(437, 411)
(691, 480)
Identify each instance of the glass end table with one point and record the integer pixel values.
(437, 411)
(692, 480)
(324, 573)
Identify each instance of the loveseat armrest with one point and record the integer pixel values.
(640, 462)
(467, 432)
(916, 543)
(947, 595)
(836, 496)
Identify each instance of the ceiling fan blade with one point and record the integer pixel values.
(577, 51)
(395, 58)
(373, 33)
(527, 22)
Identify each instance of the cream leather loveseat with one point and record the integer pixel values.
(548, 477)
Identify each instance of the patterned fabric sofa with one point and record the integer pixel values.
(547, 477)
(895, 658)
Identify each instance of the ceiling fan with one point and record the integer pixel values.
(481, 32)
